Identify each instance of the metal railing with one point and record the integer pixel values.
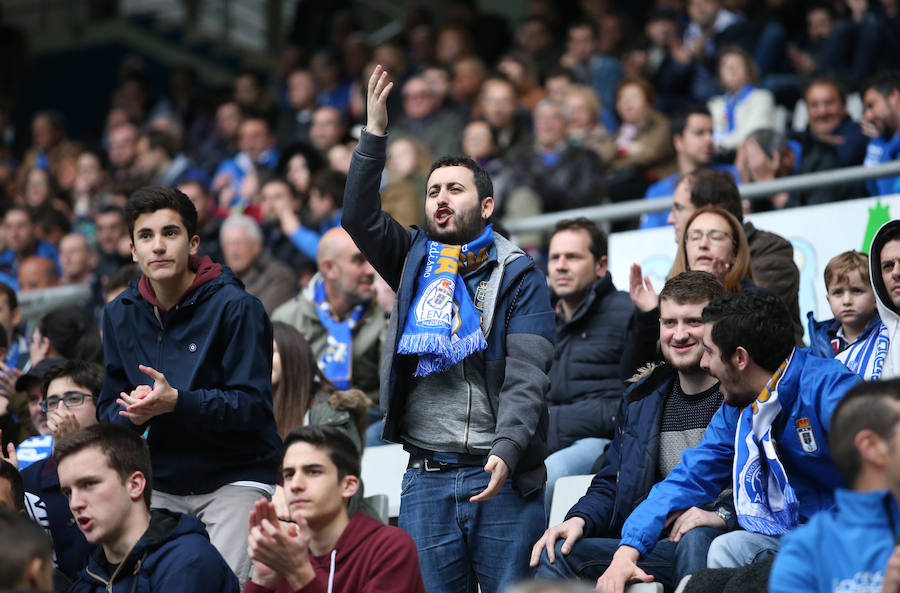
(750, 191)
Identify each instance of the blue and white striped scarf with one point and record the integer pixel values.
(337, 358)
(764, 500)
(443, 326)
(866, 357)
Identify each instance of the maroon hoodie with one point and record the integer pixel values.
(205, 268)
(369, 557)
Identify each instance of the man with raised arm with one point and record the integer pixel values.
(465, 366)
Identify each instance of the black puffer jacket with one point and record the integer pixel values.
(585, 383)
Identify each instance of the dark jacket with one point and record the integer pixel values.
(174, 555)
(821, 333)
(575, 180)
(585, 384)
(772, 259)
(613, 494)
(215, 348)
(72, 550)
(515, 366)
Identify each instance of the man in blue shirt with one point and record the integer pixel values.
(692, 135)
(881, 99)
(768, 442)
(826, 554)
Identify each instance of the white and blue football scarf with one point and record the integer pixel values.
(335, 360)
(443, 326)
(764, 500)
(866, 357)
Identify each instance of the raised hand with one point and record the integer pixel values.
(641, 290)
(376, 101)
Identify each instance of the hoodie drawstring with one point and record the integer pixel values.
(331, 572)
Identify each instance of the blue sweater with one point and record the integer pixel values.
(810, 389)
(845, 548)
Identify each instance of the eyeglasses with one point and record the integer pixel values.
(72, 399)
(713, 236)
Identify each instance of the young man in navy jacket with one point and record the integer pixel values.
(104, 471)
(188, 355)
(474, 421)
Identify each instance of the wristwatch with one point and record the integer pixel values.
(724, 514)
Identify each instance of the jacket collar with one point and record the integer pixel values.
(595, 292)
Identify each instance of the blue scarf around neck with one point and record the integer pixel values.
(443, 326)
(338, 355)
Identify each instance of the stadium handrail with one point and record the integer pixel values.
(750, 191)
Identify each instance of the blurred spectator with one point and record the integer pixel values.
(480, 145)
(426, 120)
(497, 104)
(582, 107)
(38, 188)
(123, 150)
(453, 43)
(15, 338)
(28, 563)
(328, 128)
(118, 282)
(250, 93)
(297, 165)
(557, 82)
(158, 159)
(113, 243)
(562, 175)
(768, 155)
(535, 38)
(22, 242)
(225, 141)
(66, 333)
(78, 260)
(643, 141)
(881, 122)
(37, 447)
(520, 70)
(744, 108)
(50, 149)
(266, 278)
(236, 179)
(295, 121)
(829, 122)
(326, 74)
(692, 136)
(208, 221)
(469, 74)
(407, 165)
(711, 29)
(91, 178)
(279, 207)
(597, 70)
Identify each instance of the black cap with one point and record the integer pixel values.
(37, 372)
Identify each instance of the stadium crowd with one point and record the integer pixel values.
(252, 284)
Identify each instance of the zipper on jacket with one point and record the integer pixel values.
(107, 584)
(620, 429)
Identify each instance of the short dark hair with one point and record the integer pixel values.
(483, 182)
(73, 334)
(122, 277)
(884, 82)
(866, 406)
(11, 296)
(583, 22)
(126, 452)
(341, 450)
(151, 198)
(829, 81)
(756, 320)
(679, 120)
(329, 183)
(111, 208)
(159, 139)
(693, 286)
(86, 374)
(715, 187)
(598, 244)
(22, 540)
(9, 473)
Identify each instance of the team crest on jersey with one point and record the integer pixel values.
(432, 310)
(807, 438)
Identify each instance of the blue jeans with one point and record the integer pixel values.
(740, 548)
(577, 458)
(668, 563)
(463, 544)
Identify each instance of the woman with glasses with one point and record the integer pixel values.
(713, 241)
